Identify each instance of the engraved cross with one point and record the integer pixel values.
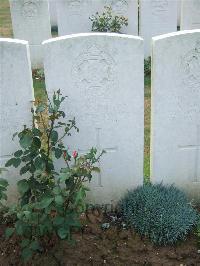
(196, 148)
(99, 149)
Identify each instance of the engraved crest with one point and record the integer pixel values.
(191, 67)
(93, 68)
(159, 6)
(29, 9)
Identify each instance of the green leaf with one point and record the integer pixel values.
(63, 233)
(58, 220)
(24, 169)
(39, 163)
(18, 153)
(20, 228)
(36, 143)
(35, 245)
(27, 254)
(64, 176)
(45, 202)
(23, 186)
(25, 141)
(16, 162)
(59, 200)
(37, 132)
(3, 182)
(24, 243)
(58, 153)
(54, 136)
(9, 232)
(56, 190)
(9, 162)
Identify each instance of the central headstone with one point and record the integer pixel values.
(102, 75)
(31, 22)
(16, 96)
(156, 17)
(73, 15)
(175, 147)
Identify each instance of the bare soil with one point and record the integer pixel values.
(96, 246)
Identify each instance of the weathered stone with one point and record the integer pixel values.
(103, 76)
(16, 95)
(175, 129)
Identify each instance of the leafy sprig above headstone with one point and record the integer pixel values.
(108, 21)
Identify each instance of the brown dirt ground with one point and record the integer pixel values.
(94, 246)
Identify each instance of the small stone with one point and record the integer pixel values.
(105, 226)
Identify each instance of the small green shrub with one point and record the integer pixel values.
(147, 66)
(107, 21)
(159, 212)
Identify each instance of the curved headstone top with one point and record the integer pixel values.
(9, 40)
(175, 132)
(92, 34)
(103, 77)
(175, 34)
(16, 96)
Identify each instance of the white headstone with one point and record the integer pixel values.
(175, 132)
(73, 15)
(190, 14)
(156, 17)
(102, 75)
(31, 22)
(53, 12)
(16, 94)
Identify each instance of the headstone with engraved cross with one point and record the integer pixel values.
(16, 96)
(102, 75)
(175, 134)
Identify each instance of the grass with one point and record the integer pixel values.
(5, 19)
(39, 85)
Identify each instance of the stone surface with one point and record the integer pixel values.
(179, 12)
(175, 131)
(102, 75)
(16, 94)
(73, 15)
(190, 14)
(53, 12)
(156, 17)
(31, 22)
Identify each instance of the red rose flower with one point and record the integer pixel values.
(75, 154)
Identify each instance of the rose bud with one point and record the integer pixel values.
(75, 154)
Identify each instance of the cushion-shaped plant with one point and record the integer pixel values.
(162, 213)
